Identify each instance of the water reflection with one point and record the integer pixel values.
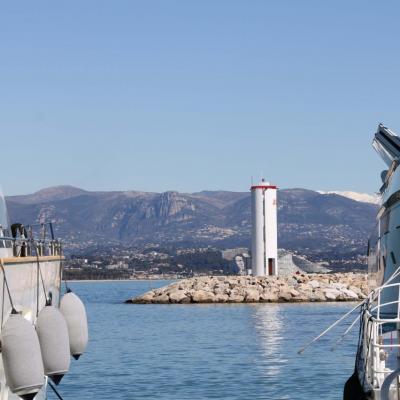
(269, 326)
(224, 352)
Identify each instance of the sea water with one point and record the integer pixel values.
(193, 352)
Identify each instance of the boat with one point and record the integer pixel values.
(377, 366)
(40, 328)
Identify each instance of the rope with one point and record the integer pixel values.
(329, 328)
(40, 273)
(13, 310)
(67, 289)
(371, 297)
(345, 333)
(362, 309)
(2, 302)
(55, 390)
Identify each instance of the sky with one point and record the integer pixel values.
(196, 95)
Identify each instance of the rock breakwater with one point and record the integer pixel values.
(269, 289)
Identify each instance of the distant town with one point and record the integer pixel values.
(140, 235)
(157, 262)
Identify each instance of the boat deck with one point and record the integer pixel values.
(29, 259)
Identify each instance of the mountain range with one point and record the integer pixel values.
(363, 197)
(312, 223)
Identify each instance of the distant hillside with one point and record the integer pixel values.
(312, 223)
(48, 194)
(363, 197)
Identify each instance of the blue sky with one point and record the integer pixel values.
(192, 95)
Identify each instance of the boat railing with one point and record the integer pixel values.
(30, 240)
(381, 334)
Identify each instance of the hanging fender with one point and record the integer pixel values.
(74, 313)
(22, 358)
(53, 336)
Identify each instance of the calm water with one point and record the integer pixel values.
(204, 351)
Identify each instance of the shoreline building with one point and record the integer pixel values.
(264, 240)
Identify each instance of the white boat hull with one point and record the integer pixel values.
(28, 297)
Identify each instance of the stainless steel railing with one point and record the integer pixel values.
(30, 240)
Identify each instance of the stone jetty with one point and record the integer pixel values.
(269, 289)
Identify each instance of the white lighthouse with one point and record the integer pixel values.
(264, 247)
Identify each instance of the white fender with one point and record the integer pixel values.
(22, 359)
(75, 314)
(53, 336)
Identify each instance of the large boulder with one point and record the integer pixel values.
(161, 299)
(268, 296)
(148, 297)
(332, 294)
(252, 296)
(179, 296)
(284, 294)
(314, 284)
(350, 294)
(317, 295)
(203, 296)
(235, 297)
(221, 298)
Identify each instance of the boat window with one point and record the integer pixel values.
(393, 257)
(393, 199)
(385, 223)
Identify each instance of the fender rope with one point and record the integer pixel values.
(55, 390)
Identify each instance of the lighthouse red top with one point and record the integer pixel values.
(263, 185)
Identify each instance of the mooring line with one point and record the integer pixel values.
(370, 298)
(55, 390)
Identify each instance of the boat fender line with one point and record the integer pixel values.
(53, 388)
(53, 336)
(22, 358)
(47, 296)
(329, 328)
(74, 312)
(387, 382)
(362, 309)
(67, 289)
(13, 310)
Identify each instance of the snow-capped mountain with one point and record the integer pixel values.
(362, 197)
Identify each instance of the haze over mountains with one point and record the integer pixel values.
(319, 225)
